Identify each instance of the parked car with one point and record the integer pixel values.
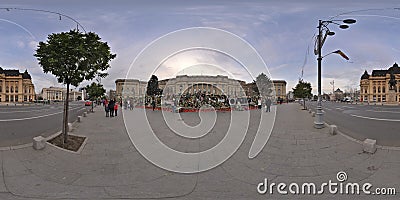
(88, 103)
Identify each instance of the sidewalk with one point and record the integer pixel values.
(109, 167)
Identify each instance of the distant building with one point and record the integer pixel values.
(112, 94)
(58, 94)
(375, 87)
(129, 88)
(280, 89)
(16, 86)
(338, 94)
(184, 84)
(216, 85)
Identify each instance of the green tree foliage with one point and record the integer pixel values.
(73, 57)
(302, 90)
(95, 90)
(152, 86)
(264, 85)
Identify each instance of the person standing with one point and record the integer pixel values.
(111, 105)
(116, 109)
(259, 103)
(153, 104)
(268, 103)
(106, 108)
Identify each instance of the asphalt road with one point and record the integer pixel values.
(364, 121)
(19, 124)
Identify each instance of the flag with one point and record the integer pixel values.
(342, 54)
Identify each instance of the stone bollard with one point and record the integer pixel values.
(84, 114)
(79, 118)
(309, 110)
(39, 143)
(313, 114)
(369, 146)
(69, 127)
(333, 129)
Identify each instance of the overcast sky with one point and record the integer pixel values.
(280, 31)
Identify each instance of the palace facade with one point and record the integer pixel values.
(16, 86)
(184, 84)
(58, 94)
(375, 87)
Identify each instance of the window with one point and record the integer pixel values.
(16, 98)
(16, 89)
(383, 89)
(374, 89)
(379, 89)
(7, 98)
(25, 98)
(383, 98)
(7, 89)
(1, 88)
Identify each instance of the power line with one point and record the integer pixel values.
(48, 11)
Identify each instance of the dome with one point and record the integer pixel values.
(26, 75)
(365, 75)
(395, 69)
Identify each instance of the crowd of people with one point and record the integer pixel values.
(110, 107)
(191, 101)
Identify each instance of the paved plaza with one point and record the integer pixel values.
(110, 167)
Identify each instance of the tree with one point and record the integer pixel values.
(264, 85)
(302, 90)
(73, 57)
(94, 91)
(152, 86)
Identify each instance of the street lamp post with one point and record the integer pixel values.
(323, 26)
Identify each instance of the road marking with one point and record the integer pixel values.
(378, 119)
(327, 109)
(36, 117)
(339, 108)
(382, 111)
(347, 107)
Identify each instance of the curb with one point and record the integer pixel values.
(30, 144)
(383, 147)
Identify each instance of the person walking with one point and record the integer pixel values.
(116, 109)
(268, 103)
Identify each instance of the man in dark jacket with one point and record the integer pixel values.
(111, 105)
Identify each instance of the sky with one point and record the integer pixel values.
(281, 33)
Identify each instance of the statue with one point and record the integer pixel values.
(392, 82)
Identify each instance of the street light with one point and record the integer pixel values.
(323, 27)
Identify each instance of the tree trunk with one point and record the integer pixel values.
(304, 103)
(65, 117)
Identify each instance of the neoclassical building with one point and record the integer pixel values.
(216, 85)
(129, 88)
(375, 87)
(16, 86)
(59, 93)
(184, 84)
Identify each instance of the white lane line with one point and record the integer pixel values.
(378, 111)
(339, 109)
(348, 107)
(327, 109)
(36, 117)
(378, 119)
